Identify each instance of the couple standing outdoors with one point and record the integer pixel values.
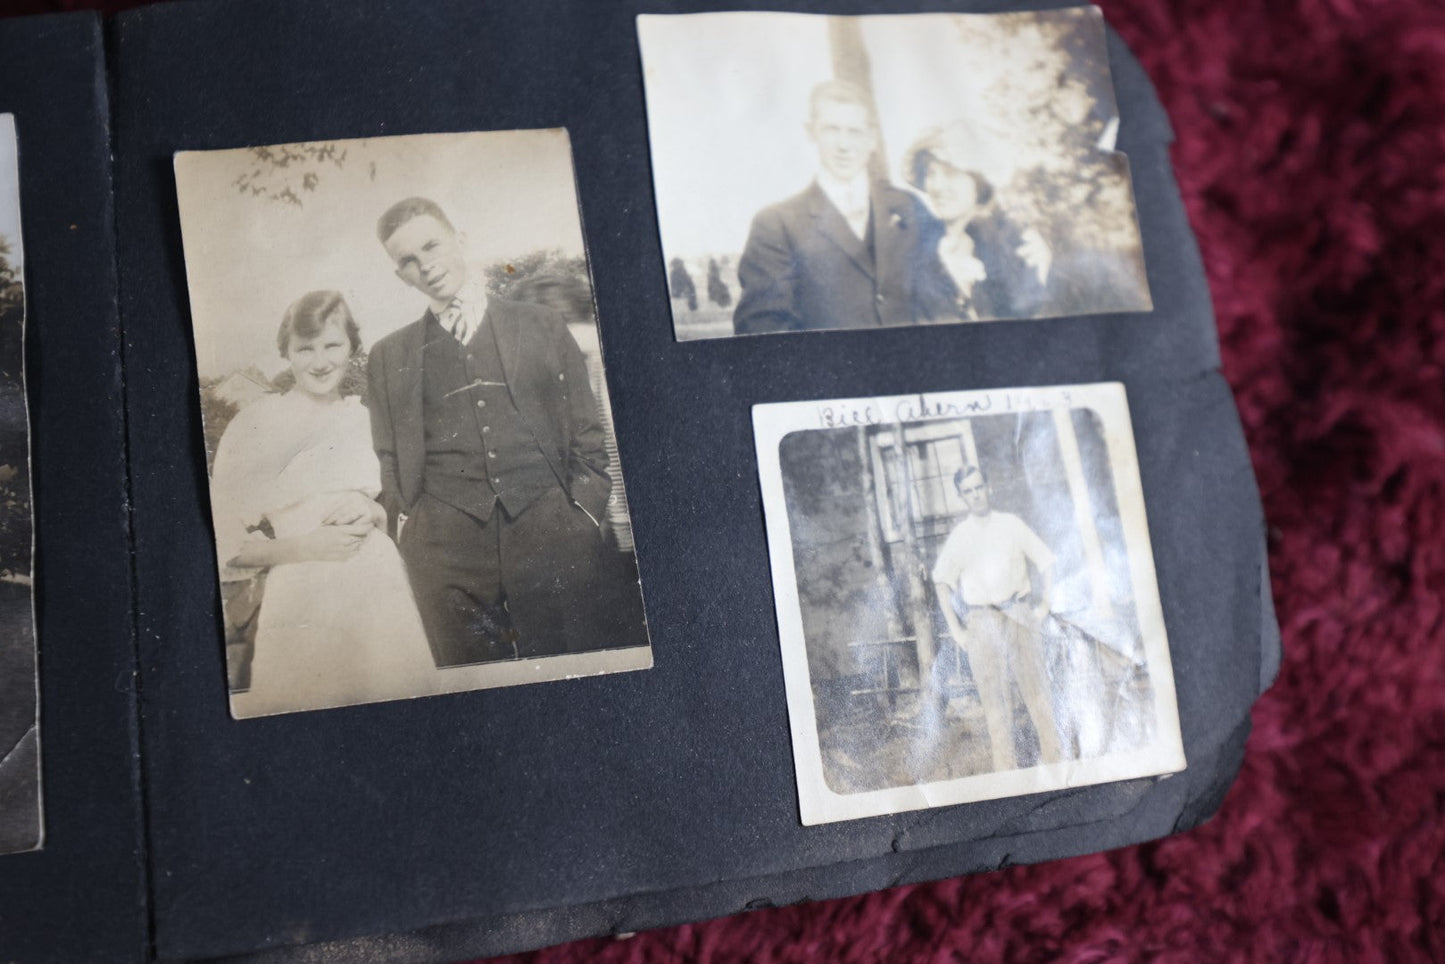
(854, 251)
(479, 451)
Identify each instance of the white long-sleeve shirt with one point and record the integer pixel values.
(986, 558)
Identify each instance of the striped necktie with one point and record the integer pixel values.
(457, 320)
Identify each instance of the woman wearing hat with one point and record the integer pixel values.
(992, 268)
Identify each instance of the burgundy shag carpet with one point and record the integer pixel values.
(1311, 155)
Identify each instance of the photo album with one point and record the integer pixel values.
(407, 551)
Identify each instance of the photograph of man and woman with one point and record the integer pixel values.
(819, 172)
(414, 478)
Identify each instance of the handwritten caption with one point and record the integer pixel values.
(922, 408)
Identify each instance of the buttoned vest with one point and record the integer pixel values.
(479, 450)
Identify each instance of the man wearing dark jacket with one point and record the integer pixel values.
(491, 455)
(848, 251)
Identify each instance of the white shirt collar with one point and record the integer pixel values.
(851, 198)
(463, 315)
(847, 195)
(473, 299)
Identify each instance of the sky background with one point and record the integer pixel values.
(10, 190)
(249, 257)
(727, 100)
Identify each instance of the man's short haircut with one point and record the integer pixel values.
(839, 92)
(309, 315)
(962, 475)
(403, 211)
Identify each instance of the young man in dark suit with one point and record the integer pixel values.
(491, 455)
(849, 251)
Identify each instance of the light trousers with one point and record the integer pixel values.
(1005, 652)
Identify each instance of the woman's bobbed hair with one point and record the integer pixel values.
(309, 315)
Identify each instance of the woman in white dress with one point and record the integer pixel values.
(293, 493)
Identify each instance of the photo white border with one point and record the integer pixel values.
(817, 803)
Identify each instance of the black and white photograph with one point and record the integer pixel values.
(415, 485)
(966, 597)
(818, 172)
(21, 818)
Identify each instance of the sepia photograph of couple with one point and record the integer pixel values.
(415, 485)
(821, 172)
(966, 597)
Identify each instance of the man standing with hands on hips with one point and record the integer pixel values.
(492, 455)
(994, 614)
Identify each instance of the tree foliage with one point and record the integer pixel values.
(16, 524)
(12, 306)
(1055, 99)
(1057, 106)
(546, 276)
(717, 289)
(681, 283)
(286, 173)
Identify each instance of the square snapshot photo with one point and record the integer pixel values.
(818, 172)
(413, 473)
(966, 597)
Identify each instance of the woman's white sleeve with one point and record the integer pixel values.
(236, 484)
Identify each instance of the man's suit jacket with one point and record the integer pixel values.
(547, 378)
(805, 269)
